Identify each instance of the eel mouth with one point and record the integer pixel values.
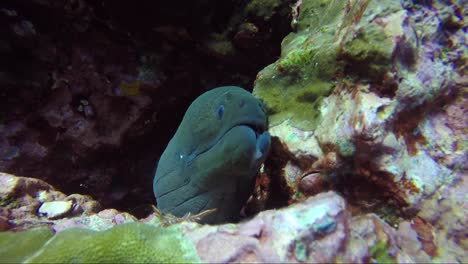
(257, 127)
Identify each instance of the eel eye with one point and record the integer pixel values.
(220, 112)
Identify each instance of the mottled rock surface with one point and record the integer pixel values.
(374, 169)
(320, 228)
(28, 202)
(387, 134)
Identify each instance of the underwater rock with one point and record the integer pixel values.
(320, 228)
(394, 138)
(99, 221)
(445, 214)
(25, 202)
(392, 118)
(79, 116)
(55, 209)
(330, 37)
(312, 183)
(368, 99)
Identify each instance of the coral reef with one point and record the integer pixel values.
(367, 108)
(129, 243)
(331, 37)
(321, 228)
(389, 129)
(386, 133)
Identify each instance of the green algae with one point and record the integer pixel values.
(370, 50)
(380, 254)
(17, 246)
(311, 52)
(294, 86)
(126, 243)
(298, 102)
(328, 41)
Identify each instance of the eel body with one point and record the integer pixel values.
(214, 156)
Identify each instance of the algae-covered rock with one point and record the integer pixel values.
(126, 243)
(395, 120)
(294, 86)
(369, 47)
(15, 247)
(28, 202)
(334, 41)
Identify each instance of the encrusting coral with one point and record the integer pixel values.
(126, 243)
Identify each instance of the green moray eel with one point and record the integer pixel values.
(214, 156)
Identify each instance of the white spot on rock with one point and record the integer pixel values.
(55, 209)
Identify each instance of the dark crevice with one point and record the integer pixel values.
(62, 55)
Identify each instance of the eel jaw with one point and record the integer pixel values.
(257, 127)
(263, 145)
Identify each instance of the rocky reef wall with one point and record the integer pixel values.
(367, 112)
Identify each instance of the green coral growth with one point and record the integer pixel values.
(293, 87)
(379, 253)
(298, 102)
(370, 48)
(15, 247)
(126, 243)
(312, 51)
(334, 39)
